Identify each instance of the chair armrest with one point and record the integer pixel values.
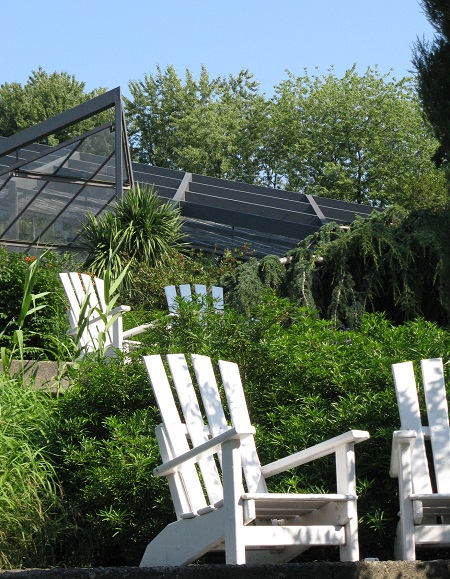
(399, 438)
(206, 449)
(90, 322)
(137, 330)
(317, 451)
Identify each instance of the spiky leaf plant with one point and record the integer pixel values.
(144, 228)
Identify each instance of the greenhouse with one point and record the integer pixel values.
(46, 191)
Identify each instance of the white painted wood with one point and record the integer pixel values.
(232, 505)
(437, 411)
(217, 296)
(174, 430)
(193, 455)
(176, 485)
(204, 373)
(346, 483)
(408, 406)
(419, 506)
(86, 294)
(254, 526)
(185, 292)
(277, 535)
(240, 419)
(171, 295)
(314, 452)
(433, 535)
(185, 541)
(194, 422)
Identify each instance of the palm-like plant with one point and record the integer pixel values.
(141, 229)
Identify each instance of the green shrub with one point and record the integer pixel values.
(141, 229)
(391, 262)
(305, 381)
(107, 452)
(44, 331)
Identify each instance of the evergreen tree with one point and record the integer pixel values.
(432, 62)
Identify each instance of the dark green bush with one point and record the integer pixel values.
(305, 381)
(106, 453)
(391, 262)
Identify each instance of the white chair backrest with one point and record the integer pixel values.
(80, 287)
(437, 411)
(186, 294)
(173, 435)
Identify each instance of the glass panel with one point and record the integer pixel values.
(84, 159)
(49, 212)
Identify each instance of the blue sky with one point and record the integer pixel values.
(110, 42)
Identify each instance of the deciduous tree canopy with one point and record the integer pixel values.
(359, 138)
(43, 96)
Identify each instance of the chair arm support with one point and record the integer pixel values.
(137, 330)
(206, 449)
(317, 451)
(400, 438)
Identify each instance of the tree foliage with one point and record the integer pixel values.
(209, 126)
(43, 96)
(391, 262)
(359, 138)
(432, 62)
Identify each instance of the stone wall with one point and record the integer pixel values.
(361, 570)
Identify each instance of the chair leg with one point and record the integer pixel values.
(232, 504)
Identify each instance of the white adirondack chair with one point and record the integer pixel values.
(81, 287)
(186, 293)
(214, 511)
(424, 504)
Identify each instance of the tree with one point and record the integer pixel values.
(432, 62)
(209, 126)
(394, 262)
(43, 96)
(360, 138)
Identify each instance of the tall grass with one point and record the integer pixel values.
(33, 519)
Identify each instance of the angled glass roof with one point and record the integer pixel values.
(46, 191)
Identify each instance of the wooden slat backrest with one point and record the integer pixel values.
(200, 290)
(76, 294)
(100, 290)
(171, 295)
(175, 435)
(185, 292)
(408, 406)
(217, 296)
(437, 410)
(238, 412)
(78, 287)
(95, 306)
(240, 419)
(196, 427)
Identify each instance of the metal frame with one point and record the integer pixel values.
(123, 172)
